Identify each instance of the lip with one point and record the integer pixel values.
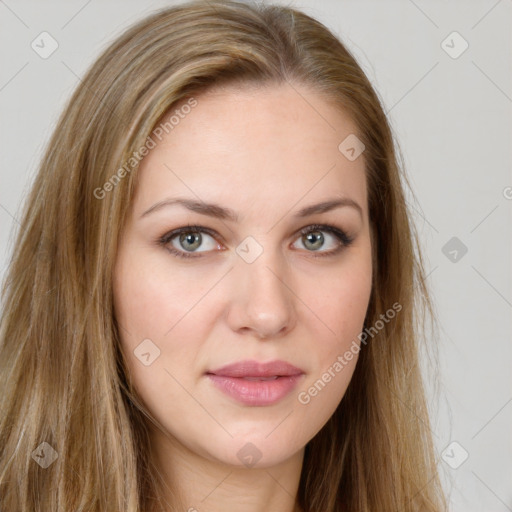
(256, 369)
(239, 381)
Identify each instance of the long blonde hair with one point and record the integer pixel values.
(63, 378)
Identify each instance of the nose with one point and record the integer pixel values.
(263, 302)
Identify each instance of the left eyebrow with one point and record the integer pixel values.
(328, 205)
(217, 211)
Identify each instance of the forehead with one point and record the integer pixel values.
(252, 144)
(280, 113)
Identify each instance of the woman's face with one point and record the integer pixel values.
(246, 285)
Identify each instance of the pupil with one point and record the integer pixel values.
(316, 238)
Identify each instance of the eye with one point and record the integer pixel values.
(184, 242)
(313, 239)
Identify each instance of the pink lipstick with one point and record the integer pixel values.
(254, 383)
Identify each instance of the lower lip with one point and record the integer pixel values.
(257, 393)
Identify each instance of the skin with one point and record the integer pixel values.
(264, 152)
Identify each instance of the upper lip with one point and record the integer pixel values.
(257, 369)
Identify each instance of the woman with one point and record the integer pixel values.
(215, 300)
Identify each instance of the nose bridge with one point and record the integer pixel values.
(264, 302)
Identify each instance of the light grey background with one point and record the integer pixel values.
(452, 119)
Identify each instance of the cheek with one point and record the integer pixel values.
(341, 302)
(151, 303)
(154, 301)
(348, 307)
(150, 299)
(340, 306)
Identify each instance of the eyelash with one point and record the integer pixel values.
(343, 238)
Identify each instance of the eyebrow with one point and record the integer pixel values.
(220, 212)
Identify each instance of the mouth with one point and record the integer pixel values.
(256, 384)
